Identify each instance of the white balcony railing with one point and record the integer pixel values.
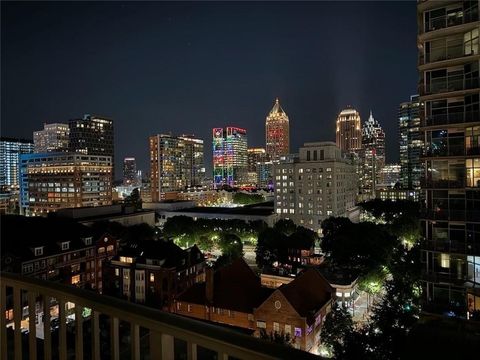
(149, 326)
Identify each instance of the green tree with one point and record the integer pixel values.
(337, 327)
(247, 199)
(134, 199)
(285, 226)
(271, 247)
(181, 229)
(276, 337)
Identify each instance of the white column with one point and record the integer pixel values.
(135, 341)
(32, 334)
(114, 338)
(17, 318)
(167, 347)
(62, 335)
(191, 351)
(78, 332)
(47, 335)
(95, 335)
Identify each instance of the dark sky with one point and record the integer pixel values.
(184, 67)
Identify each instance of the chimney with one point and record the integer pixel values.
(209, 272)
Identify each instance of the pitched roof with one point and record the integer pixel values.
(235, 287)
(19, 234)
(169, 254)
(308, 292)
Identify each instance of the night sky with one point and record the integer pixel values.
(187, 67)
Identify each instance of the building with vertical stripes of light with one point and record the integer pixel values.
(230, 156)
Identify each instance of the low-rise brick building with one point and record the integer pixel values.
(153, 272)
(55, 249)
(233, 295)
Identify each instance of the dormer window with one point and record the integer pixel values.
(87, 241)
(65, 245)
(38, 251)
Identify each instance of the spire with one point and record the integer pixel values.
(277, 108)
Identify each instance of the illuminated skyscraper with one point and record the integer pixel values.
(92, 135)
(448, 43)
(349, 130)
(411, 143)
(130, 171)
(53, 138)
(372, 155)
(277, 132)
(10, 151)
(176, 163)
(230, 159)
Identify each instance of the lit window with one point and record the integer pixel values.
(152, 277)
(101, 250)
(75, 279)
(126, 259)
(298, 332)
(65, 245)
(261, 324)
(276, 327)
(288, 329)
(117, 272)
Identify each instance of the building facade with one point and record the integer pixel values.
(230, 156)
(320, 183)
(93, 135)
(73, 254)
(53, 138)
(389, 176)
(277, 132)
(450, 124)
(130, 176)
(373, 156)
(176, 163)
(153, 272)
(349, 130)
(411, 143)
(10, 151)
(53, 181)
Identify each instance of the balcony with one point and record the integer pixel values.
(446, 53)
(152, 334)
(443, 184)
(452, 118)
(454, 247)
(450, 84)
(449, 20)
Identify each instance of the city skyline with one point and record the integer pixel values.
(310, 86)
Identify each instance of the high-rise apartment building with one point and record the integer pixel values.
(176, 163)
(52, 181)
(10, 151)
(257, 157)
(448, 44)
(349, 130)
(53, 138)
(277, 132)
(230, 156)
(411, 143)
(130, 177)
(321, 182)
(372, 156)
(92, 135)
